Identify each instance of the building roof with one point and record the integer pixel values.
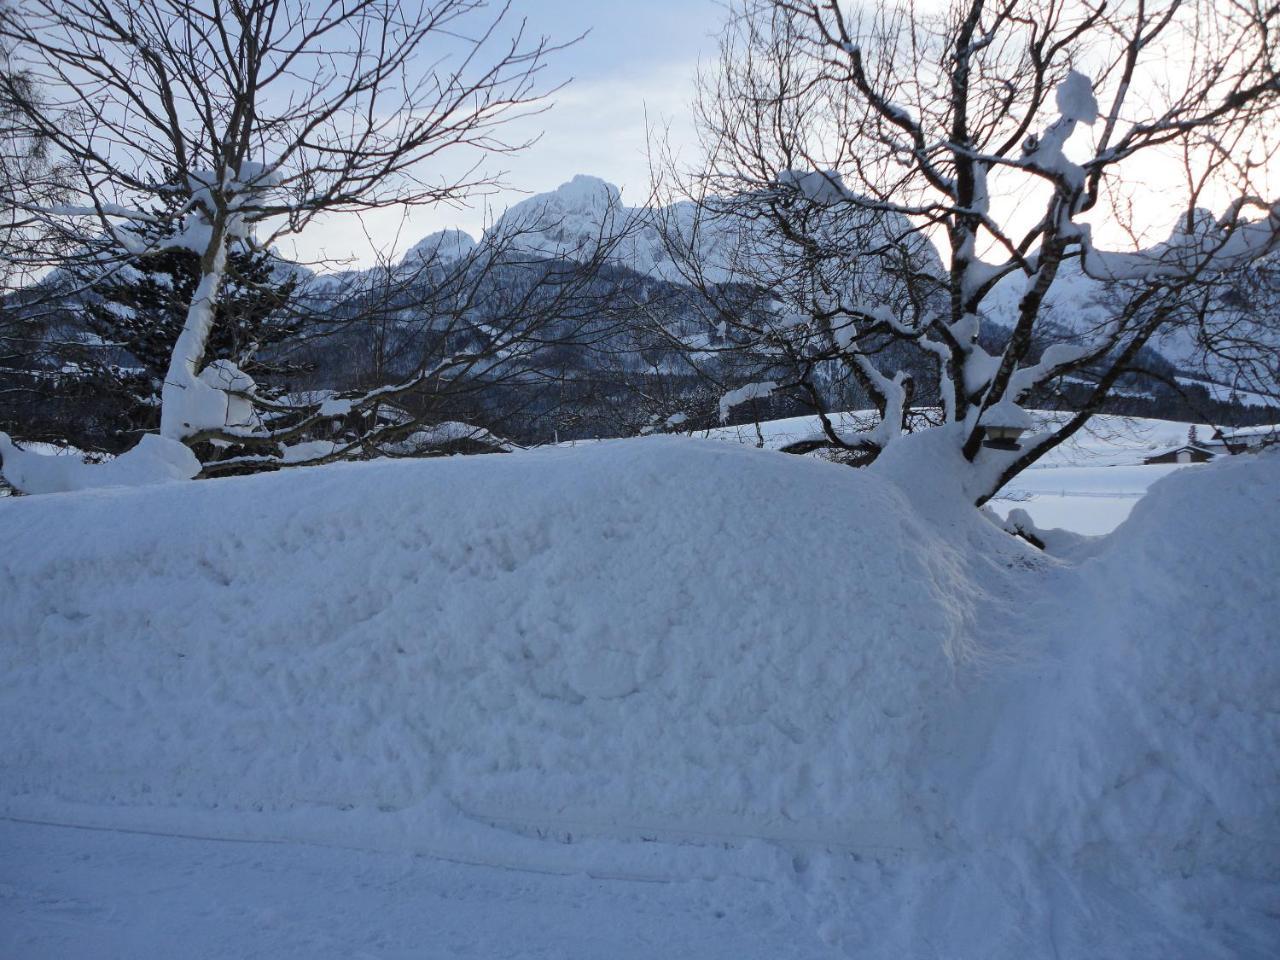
(1241, 433)
(1196, 447)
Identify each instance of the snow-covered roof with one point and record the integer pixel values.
(1006, 413)
(1198, 447)
(1239, 433)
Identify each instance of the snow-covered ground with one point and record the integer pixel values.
(1225, 394)
(1088, 500)
(1087, 485)
(69, 893)
(642, 698)
(1090, 483)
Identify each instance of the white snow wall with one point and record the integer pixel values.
(657, 632)
(653, 638)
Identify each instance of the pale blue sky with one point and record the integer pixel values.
(637, 63)
(637, 57)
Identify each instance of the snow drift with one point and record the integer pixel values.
(155, 459)
(970, 743)
(594, 637)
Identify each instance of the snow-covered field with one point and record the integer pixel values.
(1087, 485)
(1091, 483)
(642, 698)
(1089, 500)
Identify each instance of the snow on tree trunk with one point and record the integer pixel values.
(188, 404)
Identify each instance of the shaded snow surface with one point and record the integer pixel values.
(653, 660)
(155, 459)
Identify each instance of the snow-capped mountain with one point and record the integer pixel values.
(1079, 303)
(443, 246)
(567, 223)
(567, 220)
(570, 222)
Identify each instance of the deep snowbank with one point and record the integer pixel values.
(155, 459)
(643, 636)
(1170, 696)
(683, 641)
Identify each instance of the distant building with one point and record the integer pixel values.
(1248, 439)
(1186, 453)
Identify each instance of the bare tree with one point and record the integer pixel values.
(260, 116)
(27, 177)
(847, 146)
(460, 340)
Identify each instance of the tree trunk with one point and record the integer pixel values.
(186, 402)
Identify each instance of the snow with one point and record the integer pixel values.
(189, 403)
(1088, 485)
(1075, 99)
(566, 222)
(544, 600)
(980, 369)
(1086, 500)
(1076, 104)
(195, 397)
(1107, 440)
(437, 435)
(441, 247)
(226, 377)
(745, 394)
(1170, 607)
(78, 899)
(334, 407)
(1081, 303)
(822, 187)
(154, 460)
(306, 450)
(1006, 413)
(1266, 430)
(724, 701)
(1055, 541)
(240, 190)
(573, 219)
(1224, 393)
(1212, 247)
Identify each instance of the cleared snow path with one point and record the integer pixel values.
(75, 894)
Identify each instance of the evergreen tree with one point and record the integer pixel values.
(135, 312)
